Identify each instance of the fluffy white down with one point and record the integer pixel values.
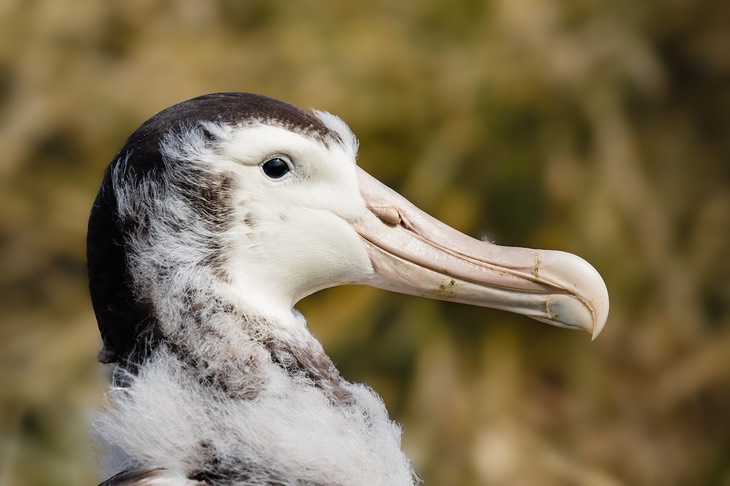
(164, 416)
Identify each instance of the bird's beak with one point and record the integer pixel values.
(413, 253)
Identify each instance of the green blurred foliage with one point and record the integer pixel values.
(599, 128)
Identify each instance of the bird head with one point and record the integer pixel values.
(267, 200)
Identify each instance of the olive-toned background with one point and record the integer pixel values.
(599, 128)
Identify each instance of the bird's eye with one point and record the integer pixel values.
(276, 167)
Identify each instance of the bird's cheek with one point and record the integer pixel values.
(331, 253)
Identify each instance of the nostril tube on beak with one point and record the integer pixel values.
(387, 214)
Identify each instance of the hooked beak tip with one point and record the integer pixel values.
(585, 305)
(597, 299)
(597, 328)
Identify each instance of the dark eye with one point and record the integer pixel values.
(275, 168)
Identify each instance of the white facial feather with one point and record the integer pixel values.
(298, 239)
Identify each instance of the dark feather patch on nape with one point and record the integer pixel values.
(127, 319)
(127, 323)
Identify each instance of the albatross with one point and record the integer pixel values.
(213, 220)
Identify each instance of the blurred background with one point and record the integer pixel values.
(599, 128)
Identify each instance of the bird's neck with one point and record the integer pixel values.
(228, 341)
(226, 391)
